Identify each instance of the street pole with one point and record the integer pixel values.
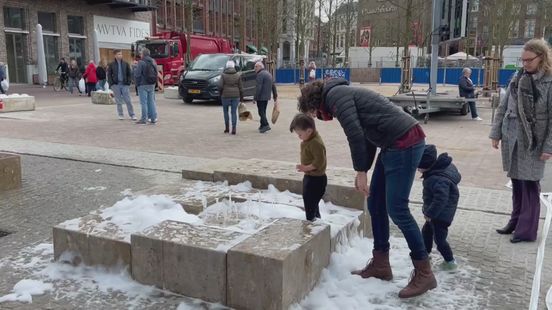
(435, 46)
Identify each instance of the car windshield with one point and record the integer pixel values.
(210, 62)
(157, 49)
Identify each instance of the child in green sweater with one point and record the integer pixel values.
(313, 163)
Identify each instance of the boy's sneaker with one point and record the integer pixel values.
(477, 118)
(121, 118)
(449, 266)
(134, 118)
(141, 122)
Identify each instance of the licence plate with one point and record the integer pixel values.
(194, 91)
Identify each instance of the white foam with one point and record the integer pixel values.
(24, 290)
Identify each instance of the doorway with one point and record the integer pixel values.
(15, 48)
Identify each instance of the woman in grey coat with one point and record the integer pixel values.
(231, 93)
(523, 127)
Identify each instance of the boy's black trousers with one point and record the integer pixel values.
(314, 188)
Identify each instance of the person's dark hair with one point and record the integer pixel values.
(62, 59)
(115, 51)
(303, 122)
(311, 97)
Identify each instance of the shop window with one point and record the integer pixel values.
(76, 50)
(51, 52)
(14, 18)
(75, 24)
(47, 21)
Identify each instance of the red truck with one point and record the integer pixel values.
(169, 50)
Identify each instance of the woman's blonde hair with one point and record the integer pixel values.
(542, 49)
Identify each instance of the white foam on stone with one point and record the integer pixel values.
(24, 290)
(95, 188)
(338, 289)
(133, 215)
(13, 96)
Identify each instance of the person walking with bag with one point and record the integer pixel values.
(145, 76)
(523, 130)
(265, 86)
(119, 77)
(74, 76)
(467, 90)
(90, 76)
(370, 121)
(230, 87)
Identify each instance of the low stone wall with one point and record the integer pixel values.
(102, 97)
(17, 104)
(10, 171)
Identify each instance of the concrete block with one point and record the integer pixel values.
(277, 266)
(93, 244)
(171, 93)
(102, 97)
(10, 171)
(17, 104)
(344, 196)
(193, 258)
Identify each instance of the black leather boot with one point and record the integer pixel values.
(506, 230)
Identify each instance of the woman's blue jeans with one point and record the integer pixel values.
(231, 103)
(389, 197)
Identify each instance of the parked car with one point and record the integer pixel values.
(200, 80)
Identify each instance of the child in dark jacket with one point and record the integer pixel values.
(440, 197)
(313, 163)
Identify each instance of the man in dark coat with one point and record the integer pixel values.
(2, 77)
(467, 90)
(440, 197)
(371, 121)
(265, 86)
(119, 77)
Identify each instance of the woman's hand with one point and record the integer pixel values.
(545, 156)
(495, 143)
(361, 183)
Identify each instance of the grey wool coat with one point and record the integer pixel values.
(518, 159)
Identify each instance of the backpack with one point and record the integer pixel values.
(150, 73)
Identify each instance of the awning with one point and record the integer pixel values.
(251, 49)
(263, 51)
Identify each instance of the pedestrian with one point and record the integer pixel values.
(62, 69)
(2, 78)
(145, 76)
(440, 195)
(313, 164)
(91, 78)
(371, 121)
(231, 93)
(467, 90)
(522, 129)
(264, 87)
(119, 77)
(74, 76)
(312, 71)
(101, 75)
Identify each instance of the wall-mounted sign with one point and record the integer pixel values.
(121, 31)
(384, 8)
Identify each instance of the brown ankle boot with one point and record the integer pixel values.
(421, 281)
(378, 267)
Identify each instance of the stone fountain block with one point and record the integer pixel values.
(10, 171)
(183, 258)
(17, 104)
(171, 93)
(93, 245)
(184, 194)
(277, 266)
(102, 97)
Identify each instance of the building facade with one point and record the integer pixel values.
(296, 29)
(525, 20)
(234, 20)
(382, 23)
(68, 31)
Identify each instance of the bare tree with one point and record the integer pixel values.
(349, 17)
(501, 17)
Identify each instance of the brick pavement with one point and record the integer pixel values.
(196, 130)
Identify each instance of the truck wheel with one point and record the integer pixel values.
(464, 109)
(188, 99)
